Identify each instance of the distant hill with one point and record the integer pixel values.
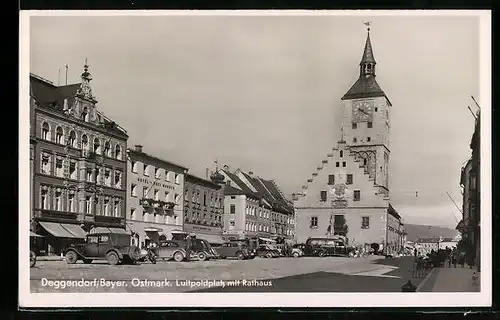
(416, 231)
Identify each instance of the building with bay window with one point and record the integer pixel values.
(155, 200)
(78, 164)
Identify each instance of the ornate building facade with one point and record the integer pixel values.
(155, 202)
(348, 194)
(203, 208)
(78, 164)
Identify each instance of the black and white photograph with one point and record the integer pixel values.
(296, 158)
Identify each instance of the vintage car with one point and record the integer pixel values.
(200, 249)
(267, 251)
(113, 247)
(335, 246)
(309, 250)
(169, 250)
(235, 249)
(297, 252)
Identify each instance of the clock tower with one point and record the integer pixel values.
(365, 121)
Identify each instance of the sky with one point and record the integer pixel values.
(262, 93)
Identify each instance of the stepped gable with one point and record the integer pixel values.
(358, 170)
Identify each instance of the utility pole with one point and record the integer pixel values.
(458, 208)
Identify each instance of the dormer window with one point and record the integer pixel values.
(85, 114)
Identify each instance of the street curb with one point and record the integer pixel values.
(427, 277)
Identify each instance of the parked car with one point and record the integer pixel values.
(200, 248)
(147, 255)
(335, 246)
(170, 250)
(309, 250)
(113, 247)
(266, 251)
(235, 249)
(297, 252)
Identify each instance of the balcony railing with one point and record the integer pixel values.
(166, 206)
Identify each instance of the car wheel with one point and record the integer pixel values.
(178, 256)
(112, 258)
(322, 254)
(240, 255)
(71, 257)
(296, 255)
(32, 259)
(202, 256)
(87, 261)
(269, 255)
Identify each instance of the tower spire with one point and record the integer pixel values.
(367, 64)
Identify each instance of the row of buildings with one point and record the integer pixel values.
(470, 184)
(85, 179)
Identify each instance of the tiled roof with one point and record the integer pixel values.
(393, 212)
(232, 191)
(52, 97)
(240, 183)
(364, 87)
(197, 180)
(133, 152)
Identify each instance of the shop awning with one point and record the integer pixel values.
(268, 240)
(100, 230)
(211, 238)
(57, 230)
(75, 229)
(32, 234)
(151, 229)
(118, 230)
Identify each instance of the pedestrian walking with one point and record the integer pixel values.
(188, 247)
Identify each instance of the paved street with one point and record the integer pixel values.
(330, 274)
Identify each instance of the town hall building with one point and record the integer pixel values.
(348, 194)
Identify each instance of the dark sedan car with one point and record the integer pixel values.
(267, 251)
(235, 249)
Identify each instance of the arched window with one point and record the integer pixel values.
(369, 67)
(45, 131)
(107, 149)
(341, 153)
(72, 139)
(365, 161)
(59, 135)
(85, 143)
(97, 146)
(118, 152)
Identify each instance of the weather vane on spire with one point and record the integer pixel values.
(368, 24)
(216, 165)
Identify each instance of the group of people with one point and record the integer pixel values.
(447, 256)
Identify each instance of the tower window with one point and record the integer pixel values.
(370, 124)
(368, 139)
(369, 67)
(341, 153)
(354, 125)
(364, 162)
(343, 164)
(376, 109)
(337, 164)
(354, 140)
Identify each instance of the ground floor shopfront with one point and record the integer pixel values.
(143, 233)
(53, 238)
(211, 234)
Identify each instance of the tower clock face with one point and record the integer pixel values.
(362, 111)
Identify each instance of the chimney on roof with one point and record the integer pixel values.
(138, 148)
(206, 173)
(226, 167)
(250, 173)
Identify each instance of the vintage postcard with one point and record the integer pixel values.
(296, 158)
